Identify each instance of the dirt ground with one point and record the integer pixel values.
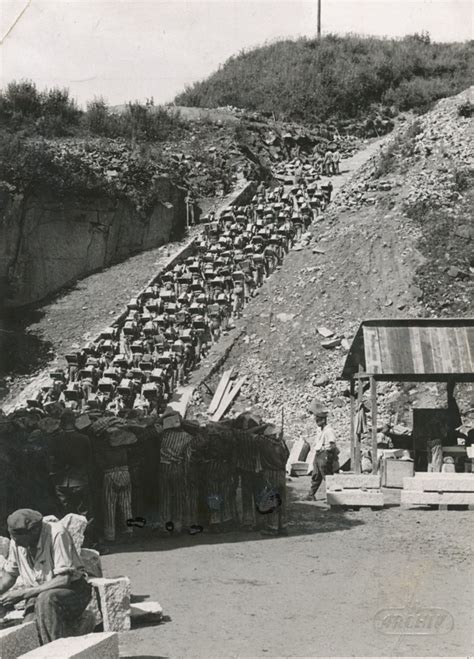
(316, 592)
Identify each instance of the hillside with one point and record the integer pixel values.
(397, 242)
(339, 78)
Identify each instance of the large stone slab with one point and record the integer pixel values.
(371, 498)
(446, 483)
(114, 602)
(353, 481)
(417, 497)
(14, 641)
(91, 646)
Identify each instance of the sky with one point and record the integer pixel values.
(126, 50)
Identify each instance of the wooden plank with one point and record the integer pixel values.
(372, 498)
(219, 393)
(387, 366)
(373, 359)
(436, 498)
(227, 400)
(416, 350)
(354, 481)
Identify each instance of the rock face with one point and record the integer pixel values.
(15, 641)
(47, 243)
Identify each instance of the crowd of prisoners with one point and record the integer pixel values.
(170, 326)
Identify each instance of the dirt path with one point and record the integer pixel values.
(315, 593)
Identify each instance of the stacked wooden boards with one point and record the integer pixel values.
(438, 489)
(354, 490)
(225, 393)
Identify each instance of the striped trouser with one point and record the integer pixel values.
(171, 494)
(277, 481)
(220, 493)
(117, 494)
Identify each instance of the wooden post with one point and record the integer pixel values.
(373, 397)
(360, 393)
(319, 19)
(352, 431)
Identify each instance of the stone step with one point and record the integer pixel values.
(102, 645)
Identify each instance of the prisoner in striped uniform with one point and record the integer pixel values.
(220, 478)
(249, 469)
(116, 487)
(274, 455)
(176, 504)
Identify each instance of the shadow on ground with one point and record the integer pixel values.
(304, 518)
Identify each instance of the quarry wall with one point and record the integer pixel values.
(47, 242)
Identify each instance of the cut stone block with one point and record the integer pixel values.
(91, 562)
(444, 483)
(371, 498)
(91, 646)
(146, 612)
(416, 497)
(114, 602)
(15, 641)
(76, 525)
(353, 481)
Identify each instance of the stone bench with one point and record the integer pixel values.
(91, 646)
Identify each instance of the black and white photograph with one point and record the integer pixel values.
(236, 329)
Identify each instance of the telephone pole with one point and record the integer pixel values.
(319, 19)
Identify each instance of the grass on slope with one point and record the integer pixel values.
(337, 77)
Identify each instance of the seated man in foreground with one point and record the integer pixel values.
(53, 579)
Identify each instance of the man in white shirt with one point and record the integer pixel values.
(55, 587)
(324, 450)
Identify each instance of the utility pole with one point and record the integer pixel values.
(319, 19)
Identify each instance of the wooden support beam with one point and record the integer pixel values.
(352, 420)
(360, 393)
(373, 397)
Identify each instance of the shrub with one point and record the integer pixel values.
(338, 77)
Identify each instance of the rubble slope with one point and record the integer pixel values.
(371, 256)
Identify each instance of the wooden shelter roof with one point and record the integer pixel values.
(413, 349)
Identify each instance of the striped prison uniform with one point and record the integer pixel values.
(220, 491)
(274, 455)
(177, 497)
(117, 496)
(249, 467)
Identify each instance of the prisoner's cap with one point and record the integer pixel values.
(23, 519)
(318, 409)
